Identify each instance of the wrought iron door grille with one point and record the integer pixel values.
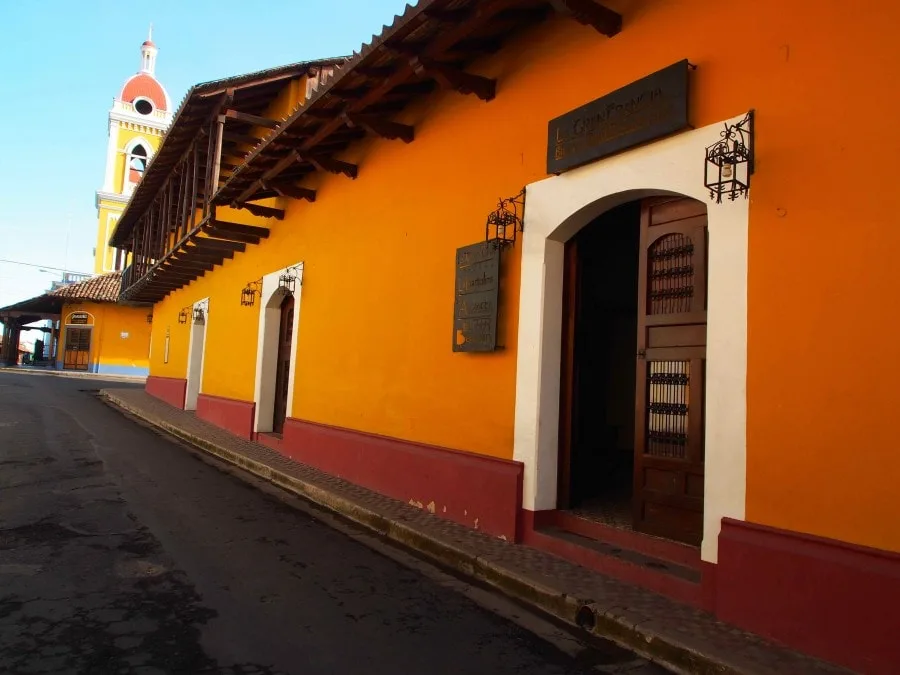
(668, 391)
(670, 275)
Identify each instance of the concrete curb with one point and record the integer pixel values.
(578, 612)
(137, 379)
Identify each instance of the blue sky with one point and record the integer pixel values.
(61, 64)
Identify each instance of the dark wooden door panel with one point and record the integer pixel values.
(568, 373)
(76, 355)
(283, 367)
(670, 372)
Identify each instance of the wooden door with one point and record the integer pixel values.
(283, 366)
(568, 375)
(78, 349)
(671, 359)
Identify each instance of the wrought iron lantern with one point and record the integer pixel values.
(249, 293)
(504, 222)
(183, 314)
(729, 161)
(149, 317)
(287, 281)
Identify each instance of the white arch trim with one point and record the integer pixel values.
(555, 209)
(196, 355)
(80, 311)
(136, 141)
(270, 298)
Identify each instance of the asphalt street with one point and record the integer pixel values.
(122, 551)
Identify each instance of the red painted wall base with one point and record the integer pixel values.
(229, 413)
(169, 389)
(830, 599)
(473, 490)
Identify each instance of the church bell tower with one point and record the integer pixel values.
(138, 119)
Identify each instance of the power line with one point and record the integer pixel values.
(44, 267)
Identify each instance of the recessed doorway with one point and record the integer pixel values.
(283, 372)
(633, 369)
(77, 353)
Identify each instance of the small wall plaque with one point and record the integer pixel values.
(477, 295)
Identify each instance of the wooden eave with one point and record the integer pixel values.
(250, 94)
(431, 45)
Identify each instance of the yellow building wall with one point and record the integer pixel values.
(374, 339)
(107, 216)
(120, 338)
(105, 256)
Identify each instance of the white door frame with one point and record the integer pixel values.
(558, 207)
(271, 297)
(196, 355)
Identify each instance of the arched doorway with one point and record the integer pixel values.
(196, 352)
(632, 377)
(556, 209)
(283, 364)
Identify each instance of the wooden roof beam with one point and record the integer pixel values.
(446, 39)
(212, 258)
(199, 252)
(349, 94)
(590, 13)
(255, 120)
(188, 265)
(234, 137)
(169, 275)
(287, 189)
(183, 260)
(380, 126)
(231, 236)
(240, 228)
(216, 244)
(328, 164)
(259, 210)
(447, 15)
(449, 77)
(374, 72)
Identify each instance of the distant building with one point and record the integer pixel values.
(87, 327)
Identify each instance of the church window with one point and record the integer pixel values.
(137, 162)
(143, 106)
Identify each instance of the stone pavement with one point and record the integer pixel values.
(674, 635)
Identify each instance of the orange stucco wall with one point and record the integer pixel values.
(374, 338)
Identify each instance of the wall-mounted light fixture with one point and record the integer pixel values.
(729, 162)
(504, 222)
(149, 317)
(183, 314)
(250, 291)
(287, 281)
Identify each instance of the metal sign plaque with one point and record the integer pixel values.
(78, 318)
(654, 106)
(476, 297)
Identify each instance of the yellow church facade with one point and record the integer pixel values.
(138, 119)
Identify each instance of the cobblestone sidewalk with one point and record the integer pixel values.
(674, 635)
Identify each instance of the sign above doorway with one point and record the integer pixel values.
(654, 106)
